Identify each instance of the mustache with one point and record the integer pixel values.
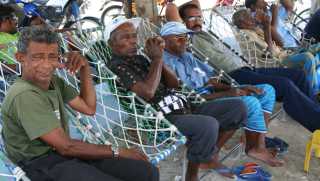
(197, 26)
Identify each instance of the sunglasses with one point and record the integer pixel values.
(195, 18)
(181, 37)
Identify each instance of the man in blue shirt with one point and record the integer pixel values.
(291, 85)
(197, 75)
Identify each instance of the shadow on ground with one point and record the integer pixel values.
(283, 127)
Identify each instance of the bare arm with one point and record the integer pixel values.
(147, 88)
(170, 77)
(172, 13)
(234, 92)
(68, 147)
(264, 20)
(274, 23)
(86, 101)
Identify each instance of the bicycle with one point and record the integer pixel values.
(63, 14)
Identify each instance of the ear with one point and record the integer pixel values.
(20, 57)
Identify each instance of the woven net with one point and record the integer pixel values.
(122, 118)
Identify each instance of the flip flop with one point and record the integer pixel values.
(251, 172)
(226, 170)
(280, 145)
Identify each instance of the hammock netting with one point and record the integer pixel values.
(122, 118)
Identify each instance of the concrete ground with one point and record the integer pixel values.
(283, 127)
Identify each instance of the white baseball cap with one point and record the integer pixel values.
(116, 22)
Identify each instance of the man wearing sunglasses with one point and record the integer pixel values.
(198, 76)
(291, 85)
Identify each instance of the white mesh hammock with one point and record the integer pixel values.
(218, 22)
(122, 118)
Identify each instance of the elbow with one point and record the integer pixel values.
(91, 111)
(149, 95)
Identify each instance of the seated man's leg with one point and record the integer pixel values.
(202, 133)
(300, 107)
(275, 77)
(267, 100)
(230, 113)
(256, 129)
(127, 169)
(298, 77)
(308, 63)
(59, 168)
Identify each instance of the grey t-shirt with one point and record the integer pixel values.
(209, 46)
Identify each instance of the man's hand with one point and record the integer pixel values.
(75, 61)
(132, 154)
(236, 92)
(261, 17)
(213, 81)
(155, 47)
(252, 90)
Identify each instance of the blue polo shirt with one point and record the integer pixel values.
(189, 69)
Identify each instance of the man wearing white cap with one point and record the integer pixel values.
(155, 82)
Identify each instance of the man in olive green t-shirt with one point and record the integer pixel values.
(35, 125)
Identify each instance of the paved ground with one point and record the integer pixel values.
(282, 127)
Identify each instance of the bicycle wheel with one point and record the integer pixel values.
(85, 23)
(110, 13)
(303, 16)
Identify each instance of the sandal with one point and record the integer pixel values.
(226, 170)
(251, 172)
(276, 143)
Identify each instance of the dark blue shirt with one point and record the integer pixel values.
(312, 29)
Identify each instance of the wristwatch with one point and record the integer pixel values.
(115, 151)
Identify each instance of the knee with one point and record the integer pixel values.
(252, 103)
(308, 56)
(241, 109)
(269, 91)
(210, 124)
(299, 74)
(285, 82)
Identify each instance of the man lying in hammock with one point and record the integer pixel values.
(305, 59)
(196, 75)
(291, 85)
(207, 126)
(35, 122)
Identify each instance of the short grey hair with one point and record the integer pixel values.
(239, 16)
(39, 34)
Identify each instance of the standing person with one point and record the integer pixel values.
(35, 123)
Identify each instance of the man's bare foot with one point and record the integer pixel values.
(219, 167)
(265, 156)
